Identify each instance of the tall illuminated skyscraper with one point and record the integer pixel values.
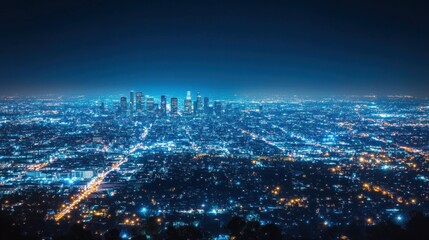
(144, 102)
(117, 106)
(174, 107)
(199, 104)
(163, 105)
(131, 102)
(102, 107)
(195, 108)
(150, 105)
(188, 103)
(139, 103)
(124, 105)
(228, 109)
(218, 108)
(206, 105)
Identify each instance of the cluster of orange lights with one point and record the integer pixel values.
(200, 156)
(337, 170)
(374, 159)
(132, 221)
(276, 191)
(378, 189)
(37, 166)
(384, 192)
(100, 213)
(293, 202)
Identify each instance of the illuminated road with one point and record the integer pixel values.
(93, 185)
(254, 136)
(193, 145)
(307, 141)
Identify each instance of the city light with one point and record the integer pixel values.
(124, 167)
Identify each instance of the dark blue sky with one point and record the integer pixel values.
(362, 46)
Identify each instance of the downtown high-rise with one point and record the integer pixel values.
(188, 103)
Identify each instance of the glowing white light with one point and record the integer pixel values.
(143, 210)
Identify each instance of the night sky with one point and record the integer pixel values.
(357, 46)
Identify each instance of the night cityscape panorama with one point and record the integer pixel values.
(238, 120)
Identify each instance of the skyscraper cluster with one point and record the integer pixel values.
(140, 105)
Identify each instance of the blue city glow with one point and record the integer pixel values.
(259, 158)
(238, 120)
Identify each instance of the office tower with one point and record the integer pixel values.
(139, 103)
(124, 105)
(174, 106)
(163, 105)
(210, 111)
(150, 105)
(116, 106)
(206, 104)
(188, 103)
(155, 109)
(102, 107)
(218, 108)
(228, 109)
(196, 108)
(131, 102)
(144, 100)
(199, 104)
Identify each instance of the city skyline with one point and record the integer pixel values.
(193, 105)
(139, 106)
(214, 120)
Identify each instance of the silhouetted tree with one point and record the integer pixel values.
(184, 233)
(139, 237)
(191, 232)
(172, 233)
(355, 231)
(153, 226)
(418, 226)
(138, 233)
(9, 230)
(385, 231)
(77, 232)
(251, 230)
(236, 225)
(270, 232)
(112, 234)
(331, 233)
